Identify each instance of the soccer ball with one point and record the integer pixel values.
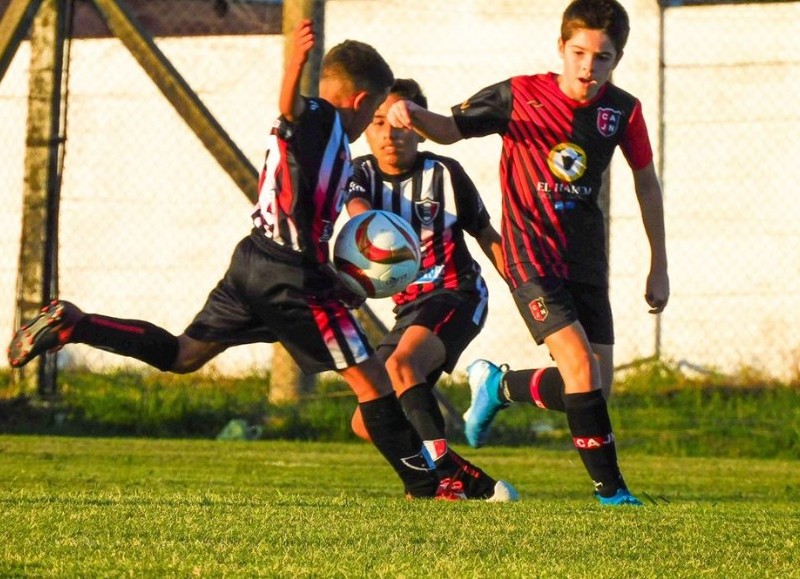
(376, 254)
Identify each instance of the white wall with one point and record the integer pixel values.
(149, 219)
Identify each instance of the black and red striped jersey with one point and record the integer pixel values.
(302, 185)
(554, 153)
(440, 201)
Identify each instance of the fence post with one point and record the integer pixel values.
(287, 382)
(37, 277)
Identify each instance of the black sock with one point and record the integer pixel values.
(135, 338)
(542, 387)
(423, 411)
(394, 437)
(590, 425)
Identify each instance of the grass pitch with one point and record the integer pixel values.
(129, 507)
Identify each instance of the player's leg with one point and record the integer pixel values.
(388, 428)
(428, 339)
(546, 305)
(321, 334)
(587, 413)
(62, 322)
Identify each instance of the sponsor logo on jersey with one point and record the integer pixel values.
(538, 309)
(427, 210)
(608, 121)
(567, 161)
(535, 103)
(430, 275)
(592, 442)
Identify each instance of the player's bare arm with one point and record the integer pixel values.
(438, 128)
(291, 105)
(648, 192)
(357, 206)
(490, 242)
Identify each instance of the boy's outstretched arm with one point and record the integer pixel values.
(438, 128)
(648, 191)
(291, 104)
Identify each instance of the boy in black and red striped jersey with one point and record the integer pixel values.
(280, 286)
(559, 132)
(440, 313)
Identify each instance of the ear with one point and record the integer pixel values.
(561, 47)
(619, 57)
(359, 98)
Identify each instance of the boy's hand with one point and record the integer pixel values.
(657, 291)
(399, 115)
(303, 41)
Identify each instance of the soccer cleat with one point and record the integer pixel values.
(484, 382)
(49, 330)
(621, 497)
(450, 490)
(503, 493)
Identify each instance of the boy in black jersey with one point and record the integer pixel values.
(559, 132)
(440, 313)
(280, 286)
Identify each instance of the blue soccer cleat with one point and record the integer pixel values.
(621, 497)
(484, 382)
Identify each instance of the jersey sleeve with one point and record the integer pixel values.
(636, 143)
(359, 184)
(472, 213)
(486, 112)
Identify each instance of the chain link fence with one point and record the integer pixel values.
(148, 218)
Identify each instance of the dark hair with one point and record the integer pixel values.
(606, 15)
(361, 64)
(410, 90)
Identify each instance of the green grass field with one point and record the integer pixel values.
(112, 507)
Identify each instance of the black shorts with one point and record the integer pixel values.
(263, 298)
(455, 317)
(549, 304)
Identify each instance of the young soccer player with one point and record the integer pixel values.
(559, 132)
(439, 314)
(279, 286)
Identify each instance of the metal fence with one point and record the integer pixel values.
(148, 218)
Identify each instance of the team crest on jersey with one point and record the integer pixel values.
(567, 161)
(427, 210)
(538, 309)
(608, 121)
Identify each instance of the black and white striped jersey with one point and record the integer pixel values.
(440, 201)
(302, 185)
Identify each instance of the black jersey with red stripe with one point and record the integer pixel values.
(302, 185)
(440, 201)
(555, 151)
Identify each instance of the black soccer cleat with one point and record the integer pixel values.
(49, 330)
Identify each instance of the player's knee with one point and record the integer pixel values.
(401, 371)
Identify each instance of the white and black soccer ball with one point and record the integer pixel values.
(376, 254)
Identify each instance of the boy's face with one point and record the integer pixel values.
(589, 58)
(362, 114)
(395, 149)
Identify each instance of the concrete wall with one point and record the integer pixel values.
(149, 220)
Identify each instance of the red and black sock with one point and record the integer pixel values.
(542, 387)
(395, 438)
(135, 338)
(590, 425)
